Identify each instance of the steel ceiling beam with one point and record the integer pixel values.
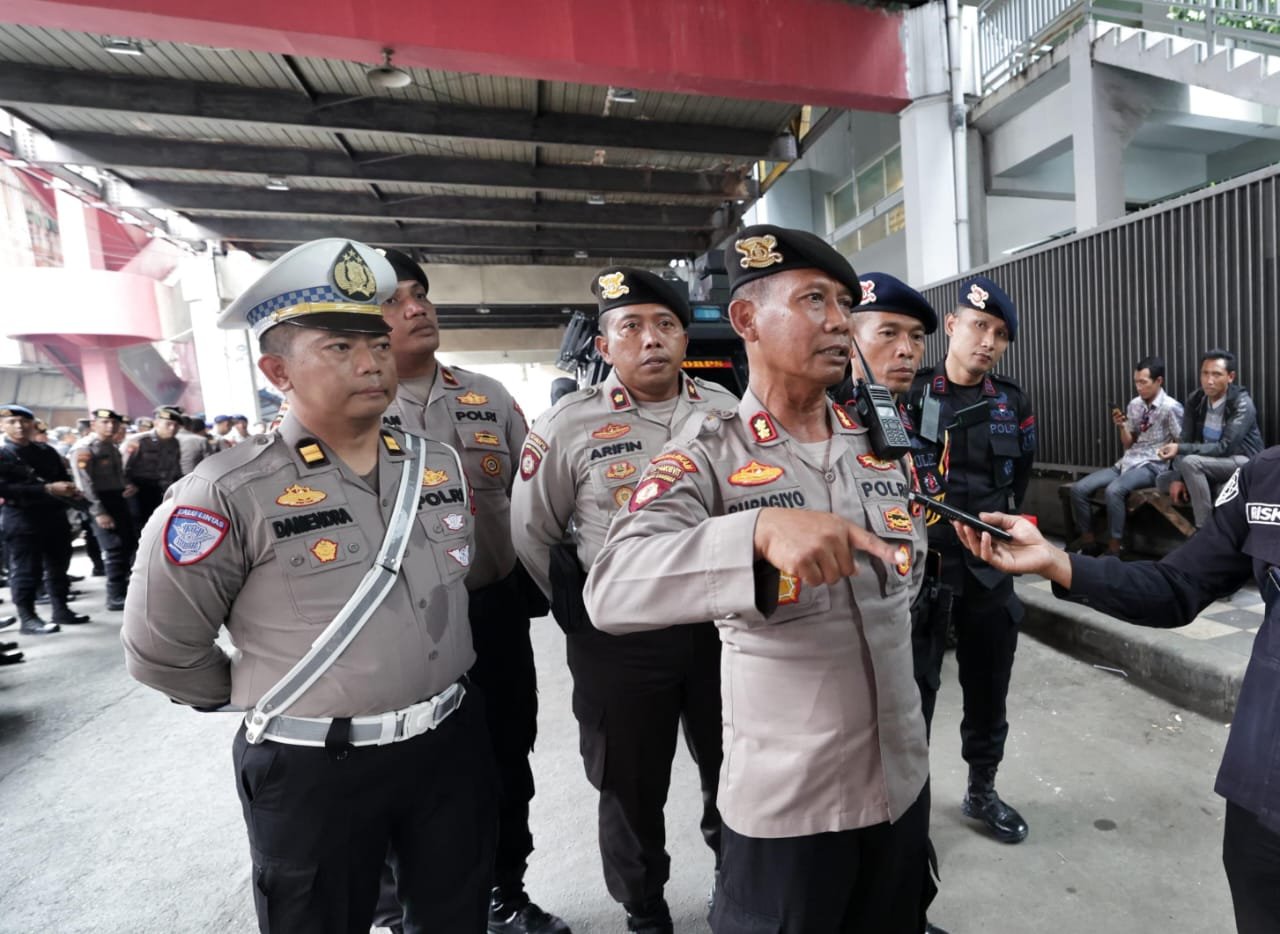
(22, 84)
(457, 208)
(142, 153)
(456, 238)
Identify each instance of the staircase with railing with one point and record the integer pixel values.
(1226, 35)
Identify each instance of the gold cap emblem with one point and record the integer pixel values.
(352, 275)
(611, 286)
(758, 252)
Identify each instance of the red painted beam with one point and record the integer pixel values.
(827, 52)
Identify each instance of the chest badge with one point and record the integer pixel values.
(610, 431)
(620, 470)
(622, 495)
(872, 462)
(471, 397)
(461, 554)
(454, 521)
(298, 495)
(897, 520)
(788, 589)
(488, 438)
(490, 465)
(325, 550)
(902, 560)
(434, 477)
(755, 474)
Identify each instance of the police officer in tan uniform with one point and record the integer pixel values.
(580, 463)
(778, 519)
(98, 470)
(152, 460)
(335, 551)
(478, 417)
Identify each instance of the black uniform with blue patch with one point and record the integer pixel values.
(979, 461)
(1241, 541)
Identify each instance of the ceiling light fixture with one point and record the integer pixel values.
(579, 254)
(595, 198)
(387, 76)
(622, 95)
(276, 183)
(118, 46)
(482, 311)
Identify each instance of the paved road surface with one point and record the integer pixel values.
(118, 813)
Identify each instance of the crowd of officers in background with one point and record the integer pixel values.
(98, 481)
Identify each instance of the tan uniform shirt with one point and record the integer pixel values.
(822, 723)
(194, 449)
(581, 462)
(97, 468)
(271, 538)
(478, 418)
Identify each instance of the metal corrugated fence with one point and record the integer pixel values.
(1170, 281)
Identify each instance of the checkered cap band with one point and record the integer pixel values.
(318, 293)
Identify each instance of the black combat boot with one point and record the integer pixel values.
(651, 916)
(32, 624)
(982, 803)
(511, 912)
(65, 615)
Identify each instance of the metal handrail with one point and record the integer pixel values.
(1013, 34)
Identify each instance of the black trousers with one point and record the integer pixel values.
(146, 501)
(874, 880)
(320, 827)
(118, 545)
(1251, 856)
(630, 696)
(986, 622)
(38, 547)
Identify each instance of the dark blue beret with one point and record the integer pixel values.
(981, 293)
(620, 286)
(10, 409)
(764, 250)
(883, 292)
(406, 268)
(219, 419)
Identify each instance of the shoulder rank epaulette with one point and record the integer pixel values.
(311, 453)
(389, 441)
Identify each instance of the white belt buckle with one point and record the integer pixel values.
(420, 720)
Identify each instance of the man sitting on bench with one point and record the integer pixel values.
(1219, 434)
(1152, 419)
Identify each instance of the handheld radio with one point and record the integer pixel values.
(877, 410)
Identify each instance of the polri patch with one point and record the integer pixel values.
(530, 460)
(897, 520)
(619, 470)
(648, 490)
(192, 533)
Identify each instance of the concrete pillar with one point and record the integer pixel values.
(104, 384)
(78, 232)
(979, 240)
(1099, 134)
(928, 189)
(226, 358)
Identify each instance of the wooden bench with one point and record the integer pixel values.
(1179, 517)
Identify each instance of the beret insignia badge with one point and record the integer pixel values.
(611, 286)
(352, 275)
(868, 291)
(978, 296)
(758, 252)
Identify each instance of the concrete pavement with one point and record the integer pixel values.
(118, 812)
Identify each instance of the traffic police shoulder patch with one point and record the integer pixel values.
(192, 533)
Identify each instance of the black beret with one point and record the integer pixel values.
(981, 293)
(10, 409)
(170, 413)
(106, 413)
(883, 292)
(763, 250)
(620, 286)
(406, 268)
